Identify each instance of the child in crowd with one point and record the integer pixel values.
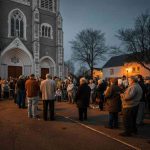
(58, 95)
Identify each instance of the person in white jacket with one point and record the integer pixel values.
(48, 90)
(70, 91)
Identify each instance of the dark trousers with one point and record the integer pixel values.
(129, 119)
(12, 93)
(5, 95)
(48, 106)
(82, 114)
(58, 98)
(21, 98)
(113, 119)
(101, 105)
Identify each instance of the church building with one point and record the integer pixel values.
(31, 38)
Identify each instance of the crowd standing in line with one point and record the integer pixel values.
(127, 96)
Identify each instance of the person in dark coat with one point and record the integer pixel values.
(20, 86)
(82, 99)
(141, 109)
(113, 102)
(100, 93)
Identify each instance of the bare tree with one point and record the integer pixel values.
(137, 39)
(70, 66)
(88, 47)
(82, 71)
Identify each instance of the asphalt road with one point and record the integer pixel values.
(18, 132)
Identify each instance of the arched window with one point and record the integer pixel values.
(17, 24)
(47, 4)
(46, 30)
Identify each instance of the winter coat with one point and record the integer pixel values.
(32, 88)
(21, 85)
(113, 100)
(143, 87)
(83, 96)
(132, 96)
(100, 91)
(48, 89)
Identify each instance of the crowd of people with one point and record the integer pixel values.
(127, 96)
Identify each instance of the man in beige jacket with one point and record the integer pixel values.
(48, 88)
(130, 102)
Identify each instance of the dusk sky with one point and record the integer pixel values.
(105, 15)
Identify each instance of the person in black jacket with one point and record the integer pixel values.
(20, 86)
(141, 109)
(82, 99)
(100, 93)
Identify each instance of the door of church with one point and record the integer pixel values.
(14, 71)
(44, 71)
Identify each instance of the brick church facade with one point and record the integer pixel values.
(31, 38)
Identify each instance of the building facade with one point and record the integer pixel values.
(118, 66)
(31, 38)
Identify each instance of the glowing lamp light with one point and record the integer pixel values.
(127, 71)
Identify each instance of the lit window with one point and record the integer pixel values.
(138, 69)
(46, 31)
(133, 69)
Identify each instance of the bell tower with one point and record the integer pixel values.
(35, 37)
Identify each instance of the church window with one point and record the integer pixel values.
(21, 28)
(47, 4)
(17, 23)
(46, 31)
(12, 27)
(43, 28)
(49, 32)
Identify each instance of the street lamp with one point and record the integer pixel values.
(127, 71)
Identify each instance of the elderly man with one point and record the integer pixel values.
(48, 88)
(83, 98)
(130, 102)
(32, 93)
